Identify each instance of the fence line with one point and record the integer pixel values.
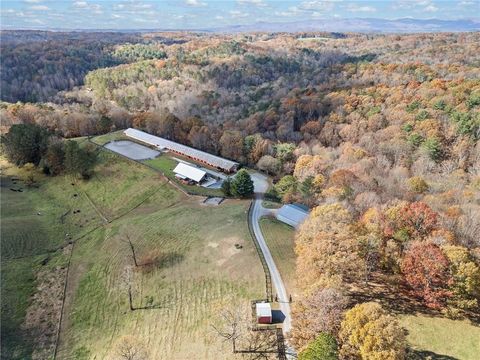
(165, 177)
(268, 279)
(62, 309)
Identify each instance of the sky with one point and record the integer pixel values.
(206, 14)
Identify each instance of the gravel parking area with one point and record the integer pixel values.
(132, 150)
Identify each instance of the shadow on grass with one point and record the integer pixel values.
(423, 354)
(155, 261)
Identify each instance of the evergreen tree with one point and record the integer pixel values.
(55, 158)
(79, 161)
(104, 125)
(242, 184)
(227, 187)
(25, 143)
(324, 347)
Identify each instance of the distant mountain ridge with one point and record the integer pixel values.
(406, 25)
(339, 25)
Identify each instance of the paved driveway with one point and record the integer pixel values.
(261, 185)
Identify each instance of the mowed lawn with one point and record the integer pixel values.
(280, 239)
(442, 338)
(201, 272)
(119, 184)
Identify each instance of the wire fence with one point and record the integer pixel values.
(268, 279)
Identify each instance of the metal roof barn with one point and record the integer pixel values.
(189, 172)
(292, 215)
(198, 155)
(264, 313)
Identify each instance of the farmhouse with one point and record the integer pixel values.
(292, 214)
(184, 172)
(264, 313)
(197, 155)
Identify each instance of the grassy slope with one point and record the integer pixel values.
(116, 135)
(207, 271)
(280, 240)
(26, 237)
(204, 272)
(440, 336)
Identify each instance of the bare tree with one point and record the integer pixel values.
(229, 326)
(235, 325)
(130, 348)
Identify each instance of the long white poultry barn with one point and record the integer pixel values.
(197, 155)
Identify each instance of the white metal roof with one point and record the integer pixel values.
(292, 215)
(263, 309)
(160, 143)
(190, 172)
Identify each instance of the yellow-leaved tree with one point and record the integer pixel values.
(369, 333)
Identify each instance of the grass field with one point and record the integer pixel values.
(34, 222)
(280, 241)
(271, 204)
(197, 271)
(442, 338)
(116, 135)
(205, 270)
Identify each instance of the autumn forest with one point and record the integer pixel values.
(377, 134)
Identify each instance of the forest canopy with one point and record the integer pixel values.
(377, 134)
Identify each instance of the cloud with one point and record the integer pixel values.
(132, 6)
(80, 4)
(237, 14)
(259, 3)
(33, 1)
(314, 8)
(195, 3)
(35, 21)
(431, 8)
(39, 8)
(316, 5)
(358, 8)
(85, 6)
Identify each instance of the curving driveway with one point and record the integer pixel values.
(261, 185)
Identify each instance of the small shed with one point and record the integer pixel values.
(184, 171)
(292, 214)
(264, 313)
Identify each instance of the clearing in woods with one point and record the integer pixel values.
(195, 266)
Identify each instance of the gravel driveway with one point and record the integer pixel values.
(132, 150)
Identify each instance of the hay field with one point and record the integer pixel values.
(201, 272)
(199, 269)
